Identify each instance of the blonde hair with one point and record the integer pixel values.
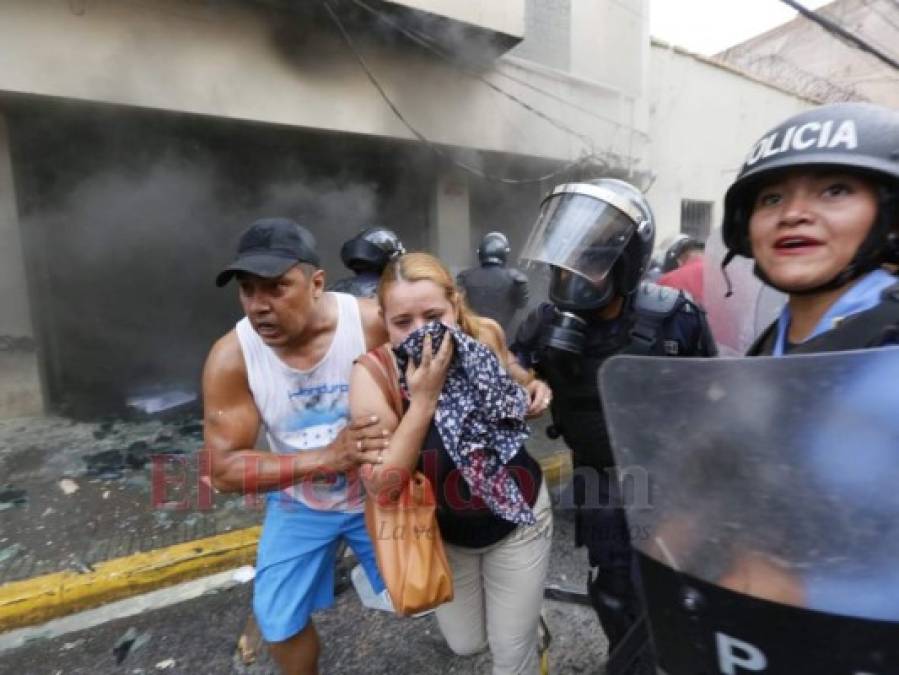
(421, 266)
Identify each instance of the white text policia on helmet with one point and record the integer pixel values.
(804, 137)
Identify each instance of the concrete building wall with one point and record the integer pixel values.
(610, 43)
(262, 110)
(548, 33)
(20, 386)
(502, 16)
(803, 57)
(245, 61)
(450, 218)
(704, 119)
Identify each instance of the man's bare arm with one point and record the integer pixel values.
(232, 422)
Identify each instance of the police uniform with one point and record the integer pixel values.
(877, 326)
(367, 254)
(814, 531)
(495, 291)
(658, 321)
(597, 238)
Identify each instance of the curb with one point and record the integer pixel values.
(50, 596)
(31, 601)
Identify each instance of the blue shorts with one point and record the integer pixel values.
(295, 563)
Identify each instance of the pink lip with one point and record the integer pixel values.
(791, 245)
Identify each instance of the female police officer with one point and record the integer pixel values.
(815, 205)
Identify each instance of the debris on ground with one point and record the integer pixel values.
(68, 486)
(158, 403)
(165, 665)
(112, 464)
(11, 497)
(106, 464)
(129, 642)
(10, 552)
(191, 429)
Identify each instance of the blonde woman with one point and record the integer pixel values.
(493, 508)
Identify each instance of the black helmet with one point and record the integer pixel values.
(494, 248)
(371, 250)
(860, 137)
(681, 244)
(597, 238)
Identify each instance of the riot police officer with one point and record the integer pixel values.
(679, 250)
(748, 568)
(492, 289)
(597, 239)
(367, 254)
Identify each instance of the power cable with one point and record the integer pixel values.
(836, 29)
(427, 42)
(583, 160)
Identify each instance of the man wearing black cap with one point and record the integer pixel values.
(286, 366)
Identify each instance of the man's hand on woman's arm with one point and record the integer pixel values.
(232, 423)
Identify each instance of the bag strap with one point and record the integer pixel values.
(382, 366)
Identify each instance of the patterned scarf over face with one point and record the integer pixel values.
(479, 416)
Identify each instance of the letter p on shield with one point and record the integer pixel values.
(736, 656)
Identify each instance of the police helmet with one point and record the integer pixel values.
(681, 244)
(494, 248)
(597, 238)
(371, 250)
(861, 138)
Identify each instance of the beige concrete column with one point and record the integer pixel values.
(20, 382)
(450, 223)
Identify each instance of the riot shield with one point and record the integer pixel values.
(739, 313)
(763, 500)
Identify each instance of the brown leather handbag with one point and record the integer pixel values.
(402, 522)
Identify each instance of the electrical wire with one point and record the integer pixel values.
(427, 42)
(836, 29)
(584, 160)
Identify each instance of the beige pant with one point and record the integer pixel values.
(498, 593)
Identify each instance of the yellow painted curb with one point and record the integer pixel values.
(31, 601)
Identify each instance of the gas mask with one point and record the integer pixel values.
(566, 333)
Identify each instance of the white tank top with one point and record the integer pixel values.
(306, 409)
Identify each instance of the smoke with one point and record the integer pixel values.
(127, 230)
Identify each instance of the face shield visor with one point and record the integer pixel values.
(581, 232)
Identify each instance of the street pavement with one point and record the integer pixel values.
(200, 636)
(76, 493)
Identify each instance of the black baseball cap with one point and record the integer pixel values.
(269, 248)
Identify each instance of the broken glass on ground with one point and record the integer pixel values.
(112, 464)
(11, 497)
(10, 552)
(129, 642)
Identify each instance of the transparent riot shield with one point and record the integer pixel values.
(739, 311)
(763, 501)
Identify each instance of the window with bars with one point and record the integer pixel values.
(696, 218)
